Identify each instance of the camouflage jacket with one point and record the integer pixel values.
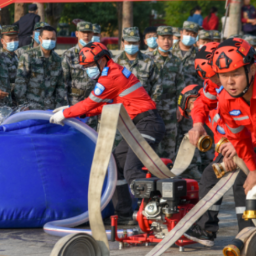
(23, 49)
(39, 80)
(188, 61)
(76, 80)
(144, 68)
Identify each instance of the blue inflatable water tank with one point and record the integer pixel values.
(44, 173)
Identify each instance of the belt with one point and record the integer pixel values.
(167, 96)
(140, 116)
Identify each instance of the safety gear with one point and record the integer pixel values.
(203, 60)
(174, 41)
(57, 118)
(232, 54)
(96, 39)
(197, 234)
(48, 44)
(162, 50)
(12, 46)
(82, 42)
(92, 52)
(118, 86)
(191, 91)
(188, 40)
(36, 36)
(59, 109)
(93, 72)
(151, 42)
(131, 48)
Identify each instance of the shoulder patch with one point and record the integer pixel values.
(220, 89)
(126, 72)
(235, 112)
(220, 130)
(105, 71)
(99, 89)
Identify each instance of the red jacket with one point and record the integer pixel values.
(115, 85)
(212, 23)
(239, 120)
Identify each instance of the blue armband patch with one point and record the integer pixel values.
(111, 101)
(220, 89)
(105, 71)
(99, 89)
(126, 72)
(235, 112)
(220, 130)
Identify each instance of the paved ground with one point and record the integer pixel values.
(29, 242)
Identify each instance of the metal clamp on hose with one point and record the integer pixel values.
(204, 143)
(219, 170)
(234, 249)
(221, 141)
(250, 209)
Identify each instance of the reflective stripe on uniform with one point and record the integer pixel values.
(215, 118)
(215, 208)
(97, 99)
(121, 182)
(209, 96)
(236, 130)
(240, 210)
(241, 118)
(130, 90)
(148, 137)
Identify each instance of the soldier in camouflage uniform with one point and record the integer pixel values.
(204, 37)
(9, 63)
(186, 52)
(172, 83)
(251, 40)
(176, 34)
(96, 32)
(35, 39)
(216, 36)
(39, 81)
(150, 38)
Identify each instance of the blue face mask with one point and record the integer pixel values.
(151, 42)
(93, 72)
(48, 44)
(175, 41)
(96, 39)
(131, 48)
(12, 46)
(162, 50)
(36, 37)
(83, 43)
(188, 40)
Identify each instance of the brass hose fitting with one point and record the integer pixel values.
(231, 250)
(219, 170)
(250, 214)
(204, 143)
(221, 141)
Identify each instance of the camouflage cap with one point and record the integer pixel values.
(96, 28)
(204, 34)
(84, 26)
(131, 34)
(190, 26)
(250, 39)
(10, 30)
(164, 31)
(235, 35)
(39, 25)
(176, 31)
(216, 34)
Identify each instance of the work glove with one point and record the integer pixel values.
(59, 109)
(58, 118)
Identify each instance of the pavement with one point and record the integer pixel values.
(32, 242)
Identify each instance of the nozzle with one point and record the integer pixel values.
(219, 170)
(231, 250)
(221, 141)
(204, 143)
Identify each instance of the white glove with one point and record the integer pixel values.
(59, 109)
(57, 118)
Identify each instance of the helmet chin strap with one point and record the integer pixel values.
(248, 84)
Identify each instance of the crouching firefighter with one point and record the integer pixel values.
(116, 84)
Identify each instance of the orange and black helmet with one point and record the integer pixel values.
(92, 52)
(203, 60)
(190, 91)
(232, 54)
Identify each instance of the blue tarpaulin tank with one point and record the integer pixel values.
(44, 173)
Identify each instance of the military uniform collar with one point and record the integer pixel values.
(157, 53)
(41, 54)
(176, 47)
(139, 57)
(77, 49)
(10, 55)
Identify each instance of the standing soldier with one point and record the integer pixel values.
(176, 34)
(9, 61)
(172, 82)
(39, 80)
(150, 37)
(204, 37)
(96, 33)
(35, 39)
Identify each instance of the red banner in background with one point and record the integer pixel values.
(4, 3)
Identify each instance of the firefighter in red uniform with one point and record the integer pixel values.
(116, 84)
(205, 229)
